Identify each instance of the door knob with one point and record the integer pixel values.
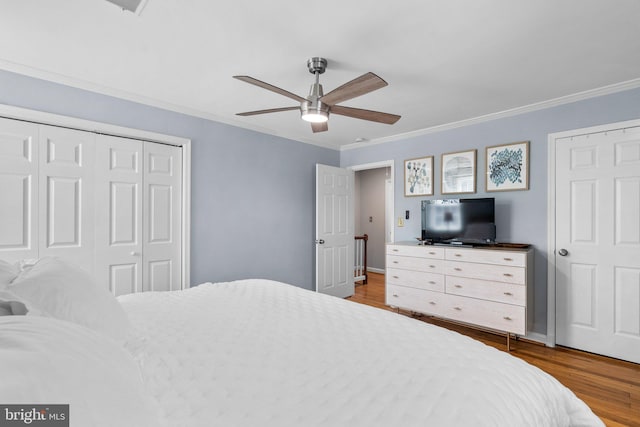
(563, 252)
(320, 242)
(135, 254)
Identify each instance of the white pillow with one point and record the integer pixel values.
(8, 272)
(50, 361)
(64, 291)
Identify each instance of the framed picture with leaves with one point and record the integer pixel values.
(508, 167)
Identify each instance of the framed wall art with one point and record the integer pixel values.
(459, 172)
(418, 176)
(508, 167)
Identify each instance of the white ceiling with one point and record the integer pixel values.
(445, 60)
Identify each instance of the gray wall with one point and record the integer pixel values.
(253, 195)
(370, 186)
(521, 216)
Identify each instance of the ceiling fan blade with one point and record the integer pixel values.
(359, 86)
(271, 110)
(359, 113)
(320, 127)
(272, 88)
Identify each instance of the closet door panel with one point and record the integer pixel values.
(162, 255)
(118, 186)
(18, 190)
(66, 203)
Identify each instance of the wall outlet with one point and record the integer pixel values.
(400, 221)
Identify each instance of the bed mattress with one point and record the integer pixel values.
(263, 353)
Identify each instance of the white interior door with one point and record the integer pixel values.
(66, 195)
(334, 231)
(18, 190)
(162, 216)
(118, 195)
(597, 246)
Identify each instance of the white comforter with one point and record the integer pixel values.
(262, 353)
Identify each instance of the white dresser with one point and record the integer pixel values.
(492, 287)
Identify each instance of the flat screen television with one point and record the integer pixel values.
(459, 221)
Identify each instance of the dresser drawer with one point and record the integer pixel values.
(417, 264)
(486, 272)
(494, 315)
(415, 279)
(416, 251)
(487, 256)
(416, 299)
(493, 291)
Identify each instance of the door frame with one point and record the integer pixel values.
(40, 117)
(388, 204)
(551, 213)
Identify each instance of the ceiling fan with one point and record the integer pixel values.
(316, 107)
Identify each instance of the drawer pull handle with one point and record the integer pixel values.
(432, 266)
(509, 294)
(395, 262)
(432, 303)
(431, 282)
(432, 253)
(395, 277)
(394, 250)
(507, 318)
(508, 259)
(458, 286)
(457, 308)
(458, 255)
(508, 275)
(457, 269)
(395, 295)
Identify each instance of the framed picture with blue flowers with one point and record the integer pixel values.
(508, 167)
(418, 177)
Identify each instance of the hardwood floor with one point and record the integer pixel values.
(609, 386)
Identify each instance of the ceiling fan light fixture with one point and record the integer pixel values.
(314, 111)
(313, 116)
(316, 107)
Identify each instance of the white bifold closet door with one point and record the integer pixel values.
(112, 205)
(46, 181)
(66, 196)
(18, 190)
(138, 215)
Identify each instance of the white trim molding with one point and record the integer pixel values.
(587, 94)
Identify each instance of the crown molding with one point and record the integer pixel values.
(587, 94)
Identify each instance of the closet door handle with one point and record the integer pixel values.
(135, 253)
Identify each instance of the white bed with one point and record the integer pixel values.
(263, 353)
